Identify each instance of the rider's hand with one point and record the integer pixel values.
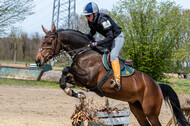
(92, 44)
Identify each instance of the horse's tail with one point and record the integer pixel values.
(170, 95)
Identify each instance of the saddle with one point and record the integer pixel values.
(125, 65)
(121, 61)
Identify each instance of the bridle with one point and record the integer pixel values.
(76, 52)
(54, 36)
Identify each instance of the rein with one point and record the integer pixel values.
(77, 52)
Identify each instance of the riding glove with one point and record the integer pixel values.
(93, 44)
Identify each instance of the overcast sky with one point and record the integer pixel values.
(43, 12)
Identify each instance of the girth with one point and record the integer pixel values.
(97, 88)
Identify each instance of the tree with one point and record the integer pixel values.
(18, 46)
(12, 11)
(82, 24)
(15, 35)
(24, 39)
(152, 31)
(182, 52)
(6, 49)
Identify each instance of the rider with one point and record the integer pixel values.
(114, 38)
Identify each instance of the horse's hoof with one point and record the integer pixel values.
(68, 91)
(81, 95)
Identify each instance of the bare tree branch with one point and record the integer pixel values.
(12, 11)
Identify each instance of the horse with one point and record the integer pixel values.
(142, 93)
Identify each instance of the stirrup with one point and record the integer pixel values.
(115, 85)
(112, 83)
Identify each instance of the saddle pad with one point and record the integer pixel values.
(126, 71)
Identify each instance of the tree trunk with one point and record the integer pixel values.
(15, 51)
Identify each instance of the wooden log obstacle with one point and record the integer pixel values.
(120, 118)
(116, 118)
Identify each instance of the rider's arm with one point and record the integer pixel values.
(92, 32)
(109, 38)
(107, 28)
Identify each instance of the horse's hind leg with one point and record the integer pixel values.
(137, 110)
(154, 120)
(152, 112)
(151, 106)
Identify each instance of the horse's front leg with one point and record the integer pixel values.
(64, 79)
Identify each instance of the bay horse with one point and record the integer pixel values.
(142, 93)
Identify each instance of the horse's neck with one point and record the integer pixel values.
(73, 41)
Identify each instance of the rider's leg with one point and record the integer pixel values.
(116, 71)
(116, 48)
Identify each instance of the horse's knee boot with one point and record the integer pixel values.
(62, 82)
(65, 71)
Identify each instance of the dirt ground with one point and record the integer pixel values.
(45, 106)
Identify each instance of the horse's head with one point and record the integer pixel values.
(50, 46)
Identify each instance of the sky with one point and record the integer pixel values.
(43, 13)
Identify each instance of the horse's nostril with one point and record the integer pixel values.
(37, 62)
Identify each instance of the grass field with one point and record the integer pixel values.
(181, 86)
(24, 82)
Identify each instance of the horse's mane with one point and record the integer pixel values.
(84, 38)
(75, 32)
(60, 30)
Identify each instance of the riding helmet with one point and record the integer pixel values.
(90, 8)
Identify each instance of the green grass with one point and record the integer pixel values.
(57, 64)
(181, 86)
(25, 82)
(178, 81)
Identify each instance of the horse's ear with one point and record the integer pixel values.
(45, 30)
(53, 30)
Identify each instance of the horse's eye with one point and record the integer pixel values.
(49, 43)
